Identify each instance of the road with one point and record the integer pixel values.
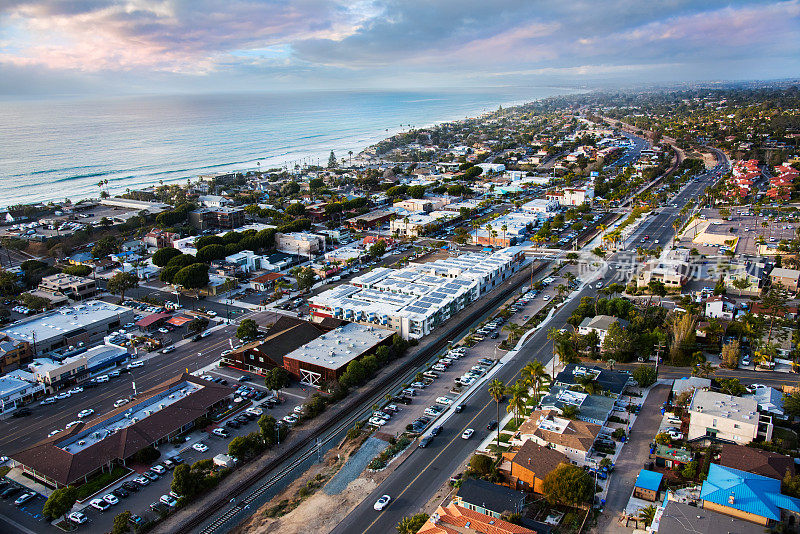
(415, 482)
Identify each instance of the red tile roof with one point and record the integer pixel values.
(459, 520)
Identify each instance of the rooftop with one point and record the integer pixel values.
(608, 380)
(592, 407)
(747, 492)
(538, 459)
(337, 348)
(550, 427)
(679, 455)
(756, 461)
(679, 518)
(63, 321)
(727, 406)
(490, 496)
(456, 519)
(649, 480)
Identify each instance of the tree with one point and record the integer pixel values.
(332, 161)
(534, 374)
(377, 249)
(121, 282)
(182, 260)
(195, 276)
(167, 274)
(184, 482)
(645, 375)
(519, 394)
(212, 252)
(305, 278)
(105, 246)
(647, 514)
(247, 330)
(416, 191)
(618, 342)
(732, 386)
(730, 355)
(162, 256)
(791, 402)
(481, 464)
(122, 523)
(410, 525)
(568, 485)
(703, 369)
(790, 485)
(276, 379)
(497, 391)
(270, 429)
(570, 411)
(297, 209)
(60, 502)
(77, 270)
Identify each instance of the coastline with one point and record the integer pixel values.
(288, 155)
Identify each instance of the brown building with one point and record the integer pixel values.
(222, 218)
(526, 468)
(789, 278)
(370, 220)
(13, 353)
(756, 461)
(647, 485)
(88, 448)
(455, 519)
(160, 238)
(68, 285)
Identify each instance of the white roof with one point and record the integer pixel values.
(338, 347)
(740, 409)
(60, 322)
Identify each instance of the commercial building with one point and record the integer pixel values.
(86, 323)
(727, 418)
(415, 299)
(680, 518)
(152, 208)
(746, 496)
(155, 416)
(69, 286)
(300, 243)
(224, 218)
(517, 226)
(575, 439)
(18, 388)
(541, 206)
(13, 353)
(370, 220)
(572, 196)
(418, 224)
(76, 367)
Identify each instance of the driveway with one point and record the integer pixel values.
(636, 453)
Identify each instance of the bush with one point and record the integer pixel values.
(148, 455)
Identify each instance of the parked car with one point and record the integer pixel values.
(111, 499)
(169, 500)
(25, 497)
(200, 447)
(78, 518)
(99, 504)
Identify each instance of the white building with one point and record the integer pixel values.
(213, 201)
(300, 243)
(540, 205)
(720, 307)
(17, 388)
(417, 224)
(489, 168)
(414, 300)
(600, 325)
(247, 261)
(573, 196)
(725, 417)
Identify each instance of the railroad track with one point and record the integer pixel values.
(318, 437)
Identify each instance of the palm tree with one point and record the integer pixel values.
(534, 373)
(475, 226)
(488, 228)
(504, 228)
(513, 330)
(703, 369)
(589, 384)
(496, 391)
(647, 514)
(519, 393)
(554, 335)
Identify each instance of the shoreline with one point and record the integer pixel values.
(358, 144)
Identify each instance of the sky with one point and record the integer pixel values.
(63, 47)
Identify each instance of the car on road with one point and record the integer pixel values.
(99, 504)
(121, 402)
(134, 365)
(71, 424)
(49, 400)
(460, 408)
(382, 503)
(53, 433)
(423, 442)
(22, 412)
(467, 433)
(167, 350)
(78, 518)
(85, 413)
(435, 430)
(492, 424)
(25, 497)
(200, 447)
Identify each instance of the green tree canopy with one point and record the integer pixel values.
(247, 330)
(121, 282)
(182, 260)
(60, 502)
(105, 246)
(194, 276)
(162, 256)
(568, 485)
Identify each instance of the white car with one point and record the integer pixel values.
(64, 395)
(77, 518)
(160, 469)
(444, 400)
(382, 503)
(111, 499)
(163, 330)
(221, 432)
(99, 504)
(76, 390)
(376, 421)
(211, 313)
(85, 413)
(25, 497)
(167, 350)
(200, 447)
(467, 433)
(121, 402)
(71, 424)
(53, 433)
(255, 410)
(135, 365)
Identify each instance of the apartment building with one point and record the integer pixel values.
(67, 285)
(727, 418)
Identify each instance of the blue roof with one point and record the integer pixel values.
(649, 480)
(752, 493)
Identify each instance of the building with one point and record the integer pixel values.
(756, 461)
(412, 205)
(490, 499)
(418, 224)
(541, 206)
(414, 300)
(525, 468)
(680, 518)
(720, 307)
(574, 438)
(670, 273)
(769, 400)
(789, 278)
(223, 218)
(672, 457)
(368, 221)
(87, 323)
(153, 208)
(746, 496)
(265, 282)
(247, 261)
(613, 382)
(325, 358)
(88, 448)
(13, 353)
(455, 519)
(213, 201)
(68, 285)
(573, 196)
(159, 238)
(600, 324)
(591, 408)
(647, 485)
(300, 243)
(726, 418)
(689, 383)
(18, 388)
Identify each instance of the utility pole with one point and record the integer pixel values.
(661, 346)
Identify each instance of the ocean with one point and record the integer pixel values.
(56, 149)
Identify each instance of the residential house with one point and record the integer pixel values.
(647, 485)
(600, 325)
(213, 201)
(525, 468)
(591, 408)
(756, 461)
(300, 243)
(680, 518)
(265, 282)
(720, 307)
(747, 496)
(455, 519)
(159, 238)
(789, 278)
(672, 457)
(613, 382)
(727, 418)
(486, 498)
(574, 438)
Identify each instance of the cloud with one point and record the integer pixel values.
(322, 43)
